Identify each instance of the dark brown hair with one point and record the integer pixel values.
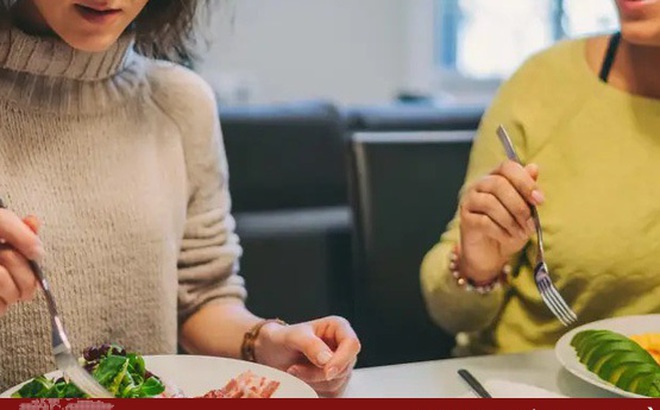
(170, 29)
(165, 29)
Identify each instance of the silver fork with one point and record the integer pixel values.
(551, 297)
(64, 358)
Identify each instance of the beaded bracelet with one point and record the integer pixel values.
(470, 285)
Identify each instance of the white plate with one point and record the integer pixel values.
(628, 326)
(196, 375)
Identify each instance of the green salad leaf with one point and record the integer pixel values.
(123, 374)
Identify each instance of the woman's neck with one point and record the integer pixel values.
(635, 69)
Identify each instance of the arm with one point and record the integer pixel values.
(449, 305)
(212, 313)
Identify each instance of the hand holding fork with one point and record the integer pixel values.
(20, 276)
(498, 217)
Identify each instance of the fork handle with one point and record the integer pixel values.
(57, 328)
(513, 156)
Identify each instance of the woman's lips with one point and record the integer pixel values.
(97, 16)
(635, 8)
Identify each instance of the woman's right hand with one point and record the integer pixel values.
(496, 219)
(18, 243)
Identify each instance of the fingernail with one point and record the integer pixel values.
(39, 252)
(293, 372)
(324, 357)
(538, 197)
(331, 373)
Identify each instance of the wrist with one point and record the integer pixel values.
(484, 281)
(477, 269)
(259, 338)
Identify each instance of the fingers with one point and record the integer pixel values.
(19, 235)
(331, 389)
(510, 199)
(504, 197)
(311, 346)
(18, 242)
(489, 205)
(533, 171)
(312, 374)
(22, 284)
(316, 379)
(9, 293)
(485, 224)
(317, 343)
(32, 222)
(348, 347)
(522, 181)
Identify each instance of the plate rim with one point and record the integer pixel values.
(313, 394)
(575, 367)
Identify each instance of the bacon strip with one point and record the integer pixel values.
(247, 385)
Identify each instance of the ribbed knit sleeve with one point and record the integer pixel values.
(210, 250)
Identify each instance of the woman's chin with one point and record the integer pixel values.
(641, 35)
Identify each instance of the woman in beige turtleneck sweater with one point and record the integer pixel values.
(121, 158)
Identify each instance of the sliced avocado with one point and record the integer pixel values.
(634, 373)
(618, 360)
(597, 353)
(654, 389)
(594, 340)
(643, 384)
(580, 338)
(611, 369)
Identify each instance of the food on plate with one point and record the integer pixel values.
(125, 375)
(618, 360)
(247, 385)
(650, 342)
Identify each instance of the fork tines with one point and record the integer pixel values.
(553, 299)
(79, 376)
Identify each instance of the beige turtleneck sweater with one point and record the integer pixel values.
(121, 158)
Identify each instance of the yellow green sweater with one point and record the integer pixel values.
(598, 149)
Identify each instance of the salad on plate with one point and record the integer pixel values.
(125, 375)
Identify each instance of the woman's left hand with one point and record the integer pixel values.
(321, 352)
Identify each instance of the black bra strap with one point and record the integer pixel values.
(610, 56)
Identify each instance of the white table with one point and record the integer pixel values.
(438, 379)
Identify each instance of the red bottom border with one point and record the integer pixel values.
(345, 404)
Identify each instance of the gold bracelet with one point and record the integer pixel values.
(247, 347)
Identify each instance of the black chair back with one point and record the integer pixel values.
(404, 192)
(412, 117)
(285, 156)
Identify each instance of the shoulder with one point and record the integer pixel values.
(556, 73)
(547, 90)
(180, 92)
(561, 64)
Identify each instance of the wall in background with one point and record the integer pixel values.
(348, 51)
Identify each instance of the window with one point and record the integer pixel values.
(488, 40)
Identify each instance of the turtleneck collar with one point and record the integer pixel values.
(52, 57)
(45, 74)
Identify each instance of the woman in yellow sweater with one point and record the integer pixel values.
(585, 114)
